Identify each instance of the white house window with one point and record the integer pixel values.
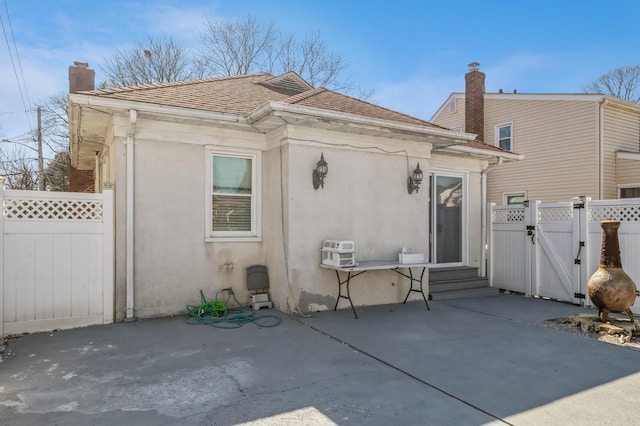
(452, 106)
(232, 195)
(629, 191)
(457, 129)
(513, 198)
(504, 136)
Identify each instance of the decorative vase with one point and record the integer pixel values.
(610, 288)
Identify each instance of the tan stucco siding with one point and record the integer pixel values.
(621, 133)
(559, 142)
(172, 260)
(365, 200)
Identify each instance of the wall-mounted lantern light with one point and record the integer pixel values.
(415, 180)
(320, 172)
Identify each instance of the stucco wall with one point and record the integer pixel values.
(364, 199)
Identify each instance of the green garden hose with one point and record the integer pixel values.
(219, 314)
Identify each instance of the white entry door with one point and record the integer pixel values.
(447, 202)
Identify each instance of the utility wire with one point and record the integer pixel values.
(15, 72)
(15, 48)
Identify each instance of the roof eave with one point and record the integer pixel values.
(483, 153)
(439, 137)
(97, 101)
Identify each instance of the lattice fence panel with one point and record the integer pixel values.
(629, 213)
(52, 209)
(507, 216)
(555, 214)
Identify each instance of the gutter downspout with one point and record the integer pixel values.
(483, 216)
(603, 102)
(133, 119)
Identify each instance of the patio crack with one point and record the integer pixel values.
(400, 370)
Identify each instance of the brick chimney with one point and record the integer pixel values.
(81, 77)
(474, 101)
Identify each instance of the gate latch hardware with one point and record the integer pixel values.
(531, 232)
(577, 261)
(579, 295)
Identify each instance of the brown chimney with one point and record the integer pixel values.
(474, 101)
(81, 77)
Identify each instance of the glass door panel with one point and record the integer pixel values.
(447, 204)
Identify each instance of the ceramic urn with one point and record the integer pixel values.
(610, 288)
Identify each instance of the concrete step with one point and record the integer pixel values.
(452, 273)
(463, 284)
(465, 294)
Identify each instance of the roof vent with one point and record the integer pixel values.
(289, 81)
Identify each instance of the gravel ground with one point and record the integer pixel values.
(618, 331)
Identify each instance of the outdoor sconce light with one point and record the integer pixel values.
(320, 172)
(415, 180)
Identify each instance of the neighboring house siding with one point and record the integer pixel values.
(559, 142)
(451, 120)
(621, 133)
(560, 138)
(627, 173)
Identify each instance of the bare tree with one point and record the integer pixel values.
(19, 157)
(312, 60)
(18, 168)
(249, 46)
(57, 172)
(230, 48)
(236, 47)
(622, 82)
(55, 123)
(157, 60)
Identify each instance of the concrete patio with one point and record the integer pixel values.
(464, 362)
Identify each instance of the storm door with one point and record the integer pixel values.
(447, 202)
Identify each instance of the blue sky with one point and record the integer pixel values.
(412, 54)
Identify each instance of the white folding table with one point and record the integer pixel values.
(376, 265)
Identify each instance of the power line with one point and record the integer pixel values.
(15, 47)
(15, 72)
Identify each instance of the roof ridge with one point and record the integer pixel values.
(305, 95)
(384, 108)
(399, 112)
(182, 83)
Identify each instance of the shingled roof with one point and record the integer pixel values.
(243, 94)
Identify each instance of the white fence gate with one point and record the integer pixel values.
(552, 249)
(57, 259)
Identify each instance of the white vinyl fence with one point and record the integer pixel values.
(552, 249)
(56, 258)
